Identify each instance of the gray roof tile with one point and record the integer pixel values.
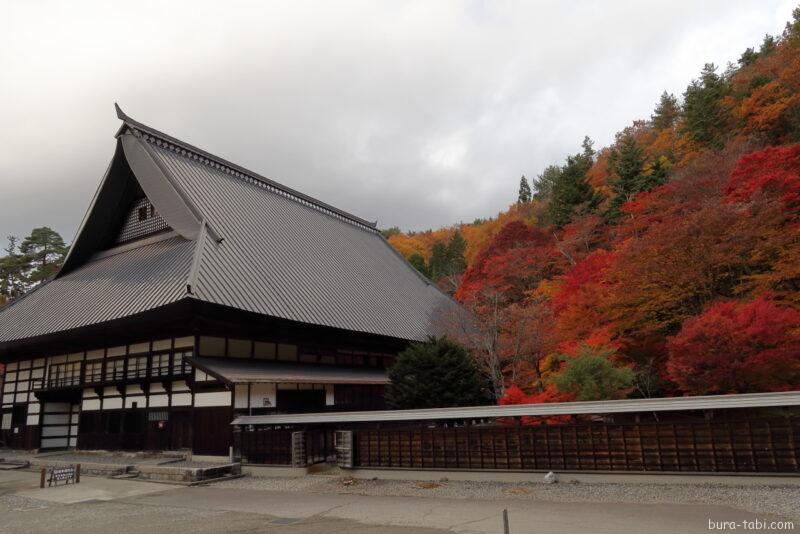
(281, 254)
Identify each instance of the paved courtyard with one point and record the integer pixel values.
(322, 504)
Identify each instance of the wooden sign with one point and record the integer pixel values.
(66, 474)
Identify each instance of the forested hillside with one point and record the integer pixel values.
(665, 264)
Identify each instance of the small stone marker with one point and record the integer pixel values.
(550, 478)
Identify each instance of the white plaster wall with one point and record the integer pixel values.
(114, 403)
(259, 392)
(181, 399)
(140, 400)
(240, 396)
(90, 405)
(159, 401)
(216, 398)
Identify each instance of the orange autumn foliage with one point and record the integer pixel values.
(678, 265)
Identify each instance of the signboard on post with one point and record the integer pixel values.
(66, 474)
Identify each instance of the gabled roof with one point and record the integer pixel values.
(239, 240)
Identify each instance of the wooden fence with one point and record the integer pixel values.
(766, 445)
(264, 446)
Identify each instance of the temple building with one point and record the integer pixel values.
(196, 290)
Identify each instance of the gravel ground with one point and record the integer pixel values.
(780, 500)
(22, 515)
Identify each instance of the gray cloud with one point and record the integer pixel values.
(418, 114)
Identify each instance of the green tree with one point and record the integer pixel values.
(769, 44)
(389, 232)
(705, 119)
(524, 191)
(572, 193)
(655, 173)
(666, 113)
(447, 259)
(435, 374)
(12, 271)
(543, 185)
(591, 375)
(456, 247)
(418, 262)
(438, 264)
(44, 250)
(748, 57)
(626, 164)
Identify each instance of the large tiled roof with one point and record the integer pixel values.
(244, 241)
(104, 289)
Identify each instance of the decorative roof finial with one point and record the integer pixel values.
(120, 114)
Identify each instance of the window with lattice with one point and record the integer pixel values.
(142, 220)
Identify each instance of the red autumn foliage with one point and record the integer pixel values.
(514, 395)
(672, 283)
(511, 264)
(737, 348)
(774, 171)
(578, 301)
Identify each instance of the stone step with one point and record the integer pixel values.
(129, 474)
(6, 466)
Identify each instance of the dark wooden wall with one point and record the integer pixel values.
(26, 438)
(766, 445)
(212, 430)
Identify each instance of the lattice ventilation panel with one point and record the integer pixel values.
(141, 221)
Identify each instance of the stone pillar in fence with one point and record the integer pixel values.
(343, 441)
(299, 457)
(237, 442)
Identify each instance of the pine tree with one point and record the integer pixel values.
(666, 113)
(438, 263)
(524, 191)
(625, 164)
(436, 374)
(44, 250)
(655, 173)
(12, 271)
(571, 192)
(705, 119)
(418, 262)
(543, 185)
(456, 263)
(748, 57)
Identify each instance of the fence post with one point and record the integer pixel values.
(343, 443)
(78, 474)
(505, 521)
(41, 480)
(299, 457)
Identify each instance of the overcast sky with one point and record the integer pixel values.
(417, 114)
